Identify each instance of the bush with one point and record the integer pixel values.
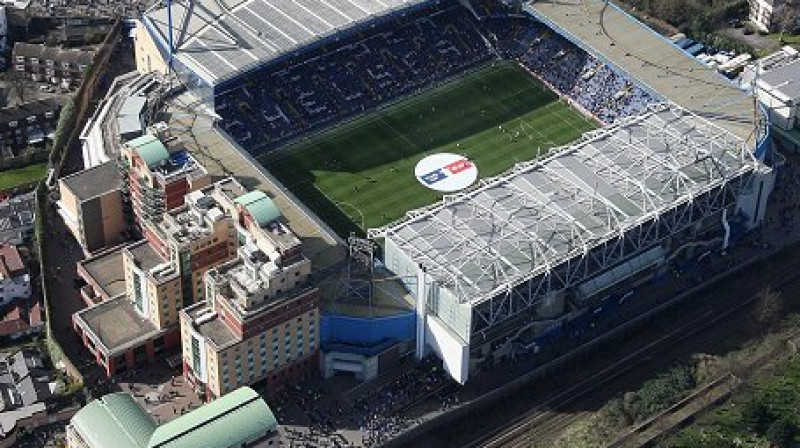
(756, 415)
(781, 433)
(664, 391)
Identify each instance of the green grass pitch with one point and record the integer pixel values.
(361, 174)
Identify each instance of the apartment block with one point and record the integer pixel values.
(157, 176)
(260, 319)
(91, 206)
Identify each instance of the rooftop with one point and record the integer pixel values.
(785, 79)
(196, 219)
(118, 420)
(93, 182)
(116, 325)
(655, 62)
(114, 420)
(32, 108)
(21, 317)
(245, 281)
(211, 326)
(16, 215)
(44, 53)
(24, 386)
(11, 264)
(231, 420)
(259, 206)
(219, 39)
(150, 149)
(549, 210)
(108, 272)
(144, 255)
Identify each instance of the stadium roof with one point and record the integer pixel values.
(612, 35)
(218, 39)
(544, 212)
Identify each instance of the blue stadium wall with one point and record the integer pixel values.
(365, 335)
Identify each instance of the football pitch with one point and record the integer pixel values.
(361, 174)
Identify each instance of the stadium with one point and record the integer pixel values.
(606, 155)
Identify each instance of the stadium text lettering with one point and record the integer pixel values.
(442, 173)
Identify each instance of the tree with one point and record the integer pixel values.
(756, 415)
(19, 82)
(780, 433)
(787, 17)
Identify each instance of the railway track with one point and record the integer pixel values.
(548, 418)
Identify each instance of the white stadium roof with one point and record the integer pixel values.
(218, 39)
(544, 212)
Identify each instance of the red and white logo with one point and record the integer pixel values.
(446, 172)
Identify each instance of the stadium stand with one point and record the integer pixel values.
(396, 59)
(323, 87)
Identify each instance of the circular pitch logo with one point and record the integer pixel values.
(446, 172)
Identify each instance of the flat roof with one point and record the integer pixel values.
(215, 329)
(94, 181)
(108, 272)
(549, 210)
(116, 325)
(784, 79)
(145, 255)
(609, 33)
(218, 39)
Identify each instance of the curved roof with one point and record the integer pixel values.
(114, 420)
(260, 206)
(150, 149)
(219, 39)
(231, 420)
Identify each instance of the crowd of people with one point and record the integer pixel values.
(382, 416)
(396, 59)
(592, 84)
(402, 56)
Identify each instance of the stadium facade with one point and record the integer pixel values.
(546, 248)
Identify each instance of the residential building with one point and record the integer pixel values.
(28, 123)
(260, 319)
(42, 63)
(240, 419)
(158, 176)
(15, 281)
(16, 218)
(135, 293)
(25, 385)
(766, 14)
(21, 319)
(91, 206)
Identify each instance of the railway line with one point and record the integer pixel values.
(715, 313)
